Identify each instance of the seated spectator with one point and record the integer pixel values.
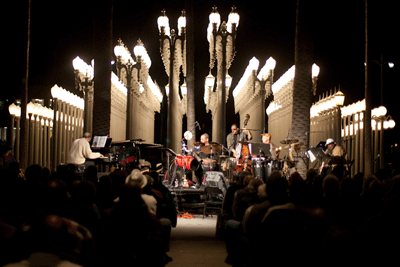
(55, 241)
(104, 197)
(330, 201)
(5, 156)
(240, 193)
(82, 207)
(276, 192)
(90, 174)
(250, 199)
(230, 194)
(168, 206)
(133, 234)
(74, 242)
(141, 180)
(7, 246)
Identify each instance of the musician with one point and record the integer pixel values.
(205, 139)
(234, 137)
(204, 144)
(80, 151)
(266, 139)
(338, 157)
(203, 152)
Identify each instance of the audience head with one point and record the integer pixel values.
(48, 234)
(33, 174)
(254, 184)
(136, 176)
(247, 180)
(242, 175)
(85, 192)
(331, 186)
(276, 187)
(53, 198)
(91, 173)
(294, 176)
(130, 192)
(311, 173)
(348, 188)
(366, 185)
(300, 192)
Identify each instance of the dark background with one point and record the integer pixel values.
(62, 30)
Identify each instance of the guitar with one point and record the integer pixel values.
(243, 151)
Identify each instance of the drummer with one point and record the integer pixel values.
(274, 150)
(208, 152)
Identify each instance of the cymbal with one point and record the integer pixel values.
(206, 149)
(214, 148)
(289, 141)
(294, 144)
(215, 143)
(223, 156)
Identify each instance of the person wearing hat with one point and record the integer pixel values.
(140, 179)
(338, 157)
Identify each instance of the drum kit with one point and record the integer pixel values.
(264, 166)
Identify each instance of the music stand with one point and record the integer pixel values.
(260, 149)
(317, 153)
(101, 141)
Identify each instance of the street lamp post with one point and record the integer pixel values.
(264, 78)
(339, 102)
(172, 48)
(382, 65)
(222, 48)
(84, 75)
(380, 123)
(126, 65)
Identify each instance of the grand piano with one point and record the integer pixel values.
(128, 153)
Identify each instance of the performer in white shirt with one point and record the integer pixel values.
(80, 151)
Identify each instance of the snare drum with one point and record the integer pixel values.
(209, 164)
(228, 163)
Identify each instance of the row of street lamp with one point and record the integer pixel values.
(221, 37)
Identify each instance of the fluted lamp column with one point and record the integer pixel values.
(84, 76)
(172, 48)
(221, 39)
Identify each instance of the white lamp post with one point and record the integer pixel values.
(172, 47)
(221, 39)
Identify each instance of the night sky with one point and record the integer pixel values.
(63, 30)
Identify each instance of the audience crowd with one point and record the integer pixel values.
(125, 218)
(67, 219)
(318, 220)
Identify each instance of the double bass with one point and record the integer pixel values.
(243, 153)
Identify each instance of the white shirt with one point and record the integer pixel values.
(80, 151)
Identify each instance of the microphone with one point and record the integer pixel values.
(198, 124)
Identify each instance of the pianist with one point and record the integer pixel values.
(80, 151)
